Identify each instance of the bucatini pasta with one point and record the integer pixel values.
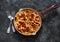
(27, 21)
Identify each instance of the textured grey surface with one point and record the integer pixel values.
(50, 30)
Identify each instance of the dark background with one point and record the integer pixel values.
(50, 30)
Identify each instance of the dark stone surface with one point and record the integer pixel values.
(50, 30)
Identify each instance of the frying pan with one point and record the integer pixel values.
(40, 14)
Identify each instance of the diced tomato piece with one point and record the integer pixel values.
(22, 16)
(32, 15)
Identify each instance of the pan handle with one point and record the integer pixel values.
(54, 6)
